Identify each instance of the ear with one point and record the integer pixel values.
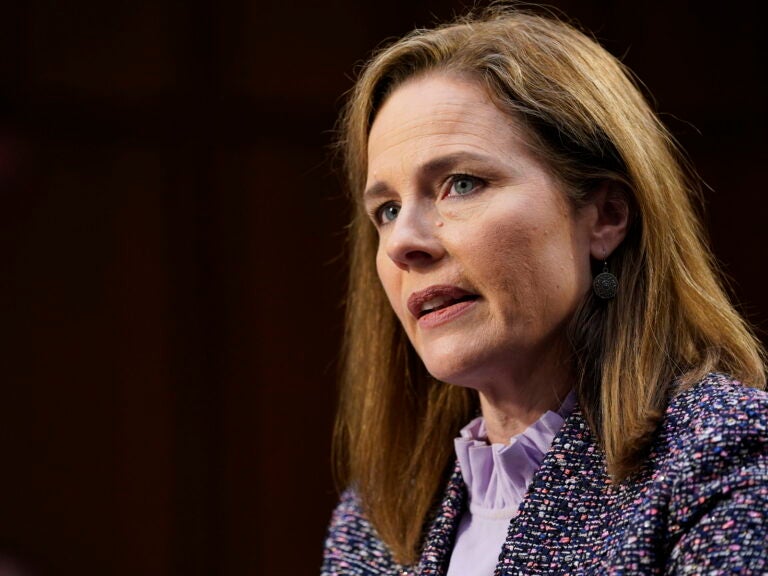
(610, 209)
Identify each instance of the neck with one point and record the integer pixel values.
(511, 408)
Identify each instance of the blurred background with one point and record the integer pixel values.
(171, 266)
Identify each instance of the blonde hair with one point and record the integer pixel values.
(671, 321)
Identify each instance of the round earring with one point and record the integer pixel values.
(605, 284)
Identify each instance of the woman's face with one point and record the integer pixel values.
(481, 255)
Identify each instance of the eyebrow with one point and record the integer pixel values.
(436, 165)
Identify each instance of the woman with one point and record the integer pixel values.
(543, 372)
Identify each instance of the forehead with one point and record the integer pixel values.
(440, 114)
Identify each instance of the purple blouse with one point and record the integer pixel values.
(497, 478)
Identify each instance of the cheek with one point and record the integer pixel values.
(389, 278)
(531, 265)
(382, 271)
(506, 249)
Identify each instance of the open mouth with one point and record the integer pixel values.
(431, 306)
(438, 297)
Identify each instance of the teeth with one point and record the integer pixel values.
(434, 303)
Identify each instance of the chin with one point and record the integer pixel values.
(453, 370)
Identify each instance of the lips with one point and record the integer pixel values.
(436, 298)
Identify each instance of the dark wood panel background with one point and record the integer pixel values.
(171, 279)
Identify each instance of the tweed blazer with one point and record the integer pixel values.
(699, 505)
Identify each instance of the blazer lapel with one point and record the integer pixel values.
(573, 466)
(439, 542)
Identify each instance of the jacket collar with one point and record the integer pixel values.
(573, 465)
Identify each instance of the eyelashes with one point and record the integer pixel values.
(455, 186)
(464, 184)
(386, 213)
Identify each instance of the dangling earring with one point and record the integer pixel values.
(605, 284)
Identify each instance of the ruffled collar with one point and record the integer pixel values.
(497, 475)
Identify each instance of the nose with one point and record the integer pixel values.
(413, 240)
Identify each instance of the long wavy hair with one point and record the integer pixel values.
(671, 322)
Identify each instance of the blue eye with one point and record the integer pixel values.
(388, 212)
(462, 185)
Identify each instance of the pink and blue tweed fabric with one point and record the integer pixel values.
(698, 506)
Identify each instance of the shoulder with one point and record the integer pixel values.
(718, 410)
(352, 547)
(710, 476)
(713, 442)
